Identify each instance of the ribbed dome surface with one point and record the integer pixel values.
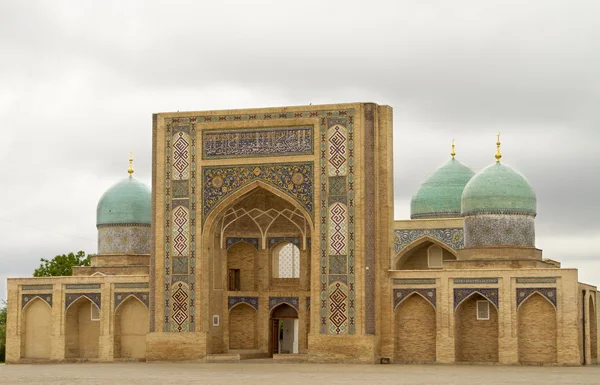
(440, 195)
(498, 189)
(126, 202)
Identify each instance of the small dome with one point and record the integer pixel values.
(439, 196)
(498, 189)
(126, 202)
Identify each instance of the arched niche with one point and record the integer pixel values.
(537, 330)
(415, 330)
(131, 325)
(416, 256)
(475, 331)
(593, 329)
(36, 330)
(243, 323)
(82, 329)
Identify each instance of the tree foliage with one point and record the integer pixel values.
(3, 310)
(61, 264)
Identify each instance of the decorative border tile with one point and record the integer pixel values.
(292, 301)
(274, 241)
(26, 298)
(132, 285)
(122, 296)
(530, 280)
(36, 287)
(230, 241)
(72, 297)
(257, 142)
(83, 286)
(547, 292)
(475, 281)
(463, 293)
(413, 281)
(453, 238)
(234, 300)
(401, 294)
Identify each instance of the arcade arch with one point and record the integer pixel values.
(415, 330)
(130, 329)
(82, 329)
(476, 330)
(36, 325)
(536, 318)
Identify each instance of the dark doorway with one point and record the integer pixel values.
(283, 333)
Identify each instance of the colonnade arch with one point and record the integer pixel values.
(82, 332)
(476, 339)
(415, 330)
(537, 330)
(36, 326)
(131, 324)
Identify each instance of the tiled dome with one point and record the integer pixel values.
(126, 202)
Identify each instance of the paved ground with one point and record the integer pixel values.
(266, 372)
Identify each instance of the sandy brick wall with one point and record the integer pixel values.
(415, 330)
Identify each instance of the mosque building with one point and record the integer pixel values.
(270, 233)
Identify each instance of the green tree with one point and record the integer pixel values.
(3, 331)
(61, 264)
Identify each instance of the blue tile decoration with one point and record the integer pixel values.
(26, 298)
(83, 286)
(72, 297)
(413, 281)
(499, 229)
(292, 301)
(274, 241)
(463, 293)
(293, 179)
(475, 281)
(132, 285)
(547, 292)
(452, 238)
(122, 296)
(534, 280)
(234, 300)
(256, 142)
(230, 241)
(401, 294)
(36, 287)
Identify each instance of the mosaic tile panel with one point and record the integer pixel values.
(547, 292)
(485, 230)
(234, 300)
(274, 241)
(255, 142)
(292, 301)
(338, 229)
(26, 298)
(338, 308)
(180, 226)
(452, 238)
(36, 287)
(132, 285)
(475, 281)
(230, 241)
(413, 281)
(369, 183)
(83, 286)
(530, 280)
(338, 264)
(294, 179)
(124, 239)
(122, 296)
(72, 297)
(401, 294)
(463, 293)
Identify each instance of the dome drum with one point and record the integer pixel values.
(120, 239)
(486, 230)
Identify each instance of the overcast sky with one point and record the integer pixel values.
(79, 81)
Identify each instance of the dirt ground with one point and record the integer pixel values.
(267, 372)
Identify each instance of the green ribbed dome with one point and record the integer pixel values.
(126, 202)
(498, 189)
(439, 196)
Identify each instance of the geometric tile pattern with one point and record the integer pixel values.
(475, 281)
(401, 294)
(338, 308)
(338, 264)
(180, 226)
(233, 240)
(122, 296)
(132, 285)
(234, 300)
(337, 154)
(72, 297)
(413, 281)
(83, 286)
(36, 287)
(273, 241)
(338, 229)
(462, 294)
(547, 292)
(257, 142)
(452, 238)
(294, 179)
(292, 301)
(528, 280)
(26, 298)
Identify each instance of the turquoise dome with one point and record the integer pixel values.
(439, 196)
(498, 189)
(126, 202)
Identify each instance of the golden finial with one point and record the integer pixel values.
(130, 170)
(453, 153)
(498, 154)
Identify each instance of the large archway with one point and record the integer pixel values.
(130, 328)
(593, 331)
(424, 254)
(476, 330)
(37, 330)
(284, 330)
(243, 327)
(415, 330)
(82, 329)
(537, 330)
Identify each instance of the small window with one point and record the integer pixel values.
(483, 310)
(234, 280)
(287, 261)
(215, 320)
(95, 313)
(434, 257)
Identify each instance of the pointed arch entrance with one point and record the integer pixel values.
(243, 322)
(82, 329)
(130, 328)
(284, 329)
(36, 325)
(537, 330)
(415, 330)
(476, 330)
